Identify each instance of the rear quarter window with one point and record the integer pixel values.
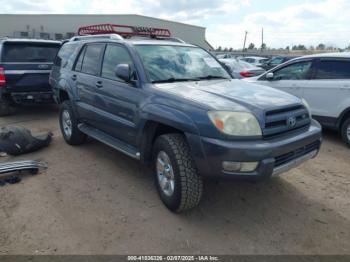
(65, 56)
(29, 52)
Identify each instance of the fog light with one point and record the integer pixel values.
(239, 166)
(248, 166)
(231, 166)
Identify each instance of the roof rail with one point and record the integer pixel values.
(87, 37)
(123, 30)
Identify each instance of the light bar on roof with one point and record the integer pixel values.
(123, 30)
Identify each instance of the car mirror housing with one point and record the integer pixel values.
(269, 76)
(123, 71)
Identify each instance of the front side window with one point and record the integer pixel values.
(91, 61)
(114, 55)
(179, 63)
(296, 71)
(333, 70)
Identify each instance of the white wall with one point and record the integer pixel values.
(11, 25)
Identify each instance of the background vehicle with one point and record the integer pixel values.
(172, 104)
(240, 69)
(255, 60)
(25, 65)
(324, 81)
(225, 56)
(275, 61)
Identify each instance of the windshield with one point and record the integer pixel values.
(166, 63)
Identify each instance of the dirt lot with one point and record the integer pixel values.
(94, 200)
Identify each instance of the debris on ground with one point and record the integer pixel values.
(32, 166)
(19, 140)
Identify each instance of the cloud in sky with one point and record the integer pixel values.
(292, 22)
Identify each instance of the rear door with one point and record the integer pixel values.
(27, 65)
(86, 77)
(328, 91)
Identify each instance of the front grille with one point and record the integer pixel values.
(285, 158)
(277, 121)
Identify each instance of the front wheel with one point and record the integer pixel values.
(69, 125)
(178, 183)
(345, 131)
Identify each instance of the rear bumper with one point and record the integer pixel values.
(31, 97)
(273, 156)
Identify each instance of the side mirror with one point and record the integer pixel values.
(269, 76)
(123, 71)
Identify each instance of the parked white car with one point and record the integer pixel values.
(323, 80)
(255, 60)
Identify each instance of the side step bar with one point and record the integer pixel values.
(29, 165)
(109, 140)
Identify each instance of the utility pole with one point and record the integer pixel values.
(262, 38)
(245, 39)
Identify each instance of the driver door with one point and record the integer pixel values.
(291, 78)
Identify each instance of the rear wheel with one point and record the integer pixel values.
(345, 131)
(69, 125)
(178, 183)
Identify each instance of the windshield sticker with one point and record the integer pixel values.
(211, 62)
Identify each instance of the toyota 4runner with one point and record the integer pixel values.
(166, 102)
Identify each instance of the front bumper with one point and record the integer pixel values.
(274, 156)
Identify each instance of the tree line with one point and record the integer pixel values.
(252, 46)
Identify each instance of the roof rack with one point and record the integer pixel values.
(87, 37)
(125, 31)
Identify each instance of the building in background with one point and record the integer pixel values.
(59, 27)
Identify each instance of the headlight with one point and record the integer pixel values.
(235, 123)
(306, 104)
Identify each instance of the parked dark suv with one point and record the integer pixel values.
(172, 104)
(25, 65)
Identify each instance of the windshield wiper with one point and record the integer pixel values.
(209, 77)
(172, 79)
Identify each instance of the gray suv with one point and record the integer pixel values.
(173, 105)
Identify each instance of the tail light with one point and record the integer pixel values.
(246, 74)
(2, 77)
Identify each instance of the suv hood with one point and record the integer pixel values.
(230, 95)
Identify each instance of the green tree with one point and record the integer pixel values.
(251, 46)
(219, 49)
(321, 47)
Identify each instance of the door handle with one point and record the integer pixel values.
(99, 84)
(74, 77)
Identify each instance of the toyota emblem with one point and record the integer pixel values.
(291, 121)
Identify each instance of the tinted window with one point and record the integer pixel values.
(29, 52)
(79, 62)
(91, 62)
(296, 71)
(276, 61)
(64, 56)
(114, 55)
(333, 70)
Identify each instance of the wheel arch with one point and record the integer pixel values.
(159, 120)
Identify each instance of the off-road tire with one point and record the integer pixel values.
(77, 137)
(188, 186)
(344, 129)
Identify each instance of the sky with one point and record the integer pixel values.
(285, 22)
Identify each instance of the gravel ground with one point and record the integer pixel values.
(95, 200)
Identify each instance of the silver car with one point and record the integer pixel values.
(240, 69)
